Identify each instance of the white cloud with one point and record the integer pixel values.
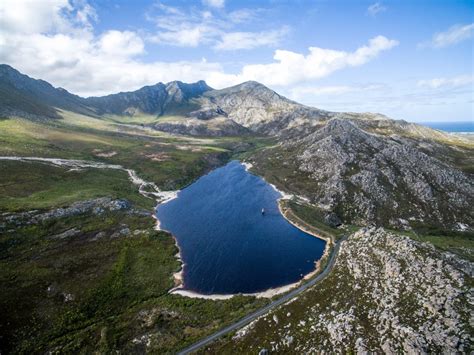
(116, 43)
(452, 36)
(455, 82)
(32, 16)
(376, 8)
(192, 27)
(291, 67)
(67, 53)
(300, 92)
(191, 36)
(177, 27)
(214, 3)
(242, 15)
(249, 40)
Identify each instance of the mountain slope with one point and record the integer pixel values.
(29, 98)
(260, 109)
(372, 178)
(160, 99)
(365, 167)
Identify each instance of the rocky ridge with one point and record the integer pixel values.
(96, 206)
(366, 177)
(161, 99)
(262, 110)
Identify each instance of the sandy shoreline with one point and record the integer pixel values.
(178, 276)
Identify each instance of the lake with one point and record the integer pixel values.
(226, 244)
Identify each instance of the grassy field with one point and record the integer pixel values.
(456, 242)
(171, 162)
(31, 185)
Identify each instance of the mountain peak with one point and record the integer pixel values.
(201, 84)
(251, 84)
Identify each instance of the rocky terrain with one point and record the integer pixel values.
(160, 99)
(99, 206)
(262, 110)
(370, 178)
(386, 294)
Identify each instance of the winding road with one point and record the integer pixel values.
(262, 311)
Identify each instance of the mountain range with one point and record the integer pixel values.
(364, 167)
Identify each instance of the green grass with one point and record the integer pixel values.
(277, 165)
(113, 281)
(456, 242)
(32, 185)
(314, 217)
(135, 119)
(168, 161)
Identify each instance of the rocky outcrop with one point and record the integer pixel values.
(372, 178)
(217, 126)
(416, 299)
(96, 206)
(262, 110)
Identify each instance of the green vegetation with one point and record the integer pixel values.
(113, 282)
(456, 242)
(99, 289)
(276, 164)
(171, 162)
(460, 243)
(34, 185)
(314, 220)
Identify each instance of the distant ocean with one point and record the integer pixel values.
(465, 126)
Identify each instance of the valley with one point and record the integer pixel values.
(83, 267)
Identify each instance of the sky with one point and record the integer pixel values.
(410, 60)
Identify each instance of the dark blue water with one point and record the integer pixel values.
(466, 126)
(227, 245)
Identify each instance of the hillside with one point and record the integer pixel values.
(369, 178)
(364, 167)
(386, 294)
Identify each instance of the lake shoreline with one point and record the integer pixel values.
(178, 276)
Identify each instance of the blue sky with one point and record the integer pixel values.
(410, 60)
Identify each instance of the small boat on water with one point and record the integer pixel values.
(263, 210)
